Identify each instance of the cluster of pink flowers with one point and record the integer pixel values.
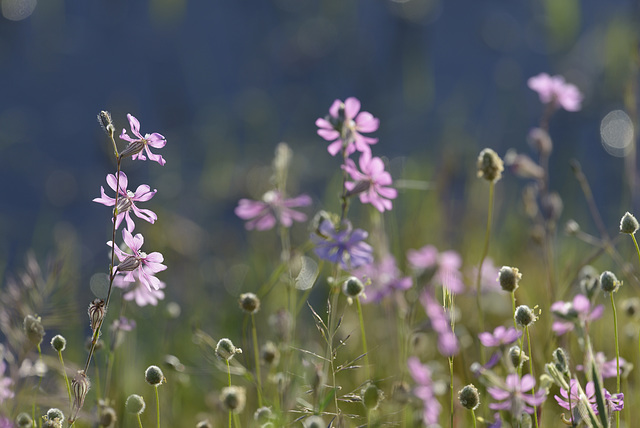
(137, 269)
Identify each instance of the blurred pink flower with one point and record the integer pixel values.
(343, 125)
(554, 89)
(500, 336)
(371, 183)
(424, 258)
(127, 200)
(421, 374)
(146, 266)
(385, 278)
(440, 321)
(154, 140)
(447, 266)
(5, 383)
(579, 312)
(141, 294)
(514, 396)
(263, 215)
(488, 277)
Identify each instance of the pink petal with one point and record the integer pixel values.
(335, 108)
(365, 122)
(351, 107)
(135, 125)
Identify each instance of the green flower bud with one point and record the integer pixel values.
(561, 361)
(233, 398)
(58, 343)
(270, 354)
(154, 376)
(608, 282)
(135, 404)
(629, 224)
(226, 350)
(54, 413)
(508, 277)
(490, 166)
(517, 356)
(469, 397)
(525, 316)
(34, 329)
(262, 414)
(249, 303)
(23, 420)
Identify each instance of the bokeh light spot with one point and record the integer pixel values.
(616, 130)
(17, 10)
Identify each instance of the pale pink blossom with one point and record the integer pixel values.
(154, 140)
(274, 208)
(140, 293)
(127, 201)
(343, 127)
(370, 182)
(138, 264)
(554, 90)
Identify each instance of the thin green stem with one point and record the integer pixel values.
(256, 355)
(451, 389)
(229, 375)
(473, 415)
(139, 421)
(636, 244)
(485, 251)
(364, 339)
(66, 378)
(157, 406)
(515, 325)
(615, 334)
(533, 391)
(35, 395)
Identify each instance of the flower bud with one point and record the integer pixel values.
(314, 422)
(517, 356)
(469, 397)
(572, 227)
(508, 278)
(589, 280)
(154, 376)
(108, 416)
(96, 313)
(540, 141)
(608, 282)
(58, 343)
(262, 414)
(34, 329)
(104, 119)
(233, 398)
(135, 404)
(629, 224)
(352, 288)
(522, 165)
(54, 413)
(525, 316)
(249, 302)
(23, 420)
(204, 424)
(270, 354)
(79, 388)
(631, 306)
(401, 392)
(133, 148)
(490, 166)
(561, 361)
(371, 396)
(226, 350)
(50, 423)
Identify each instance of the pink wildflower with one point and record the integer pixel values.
(514, 396)
(141, 294)
(154, 140)
(440, 321)
(5, 383)
(146, 266)
(127, 200)
(371, 182)
(554, 89)
(421, 374)
(263, 215)
(343, 127)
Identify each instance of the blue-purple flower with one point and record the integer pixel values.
(345, 246)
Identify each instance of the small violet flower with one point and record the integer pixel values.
(615, 402)
(514, 396)
(440, 321)
(345, 246)
(385, 278)
(146, 266)
(421, 374)
(141, 294)
(5, 383)
(127, 200)
(343, 127)
(500, 336)
(263, 215)
(554, 90)
(371, 183)
(570, 313)
(154, 140)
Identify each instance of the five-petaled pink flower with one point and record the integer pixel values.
(263, 215)
(514, 395)
(126, 201)
(370, 182)
(154, 140)
(343, 125)
(554, 89)
(145, 265)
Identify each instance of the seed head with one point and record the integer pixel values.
(23, 420)
(58, 343)
(54, 413)
(249, 302)
(608, 282)
(525, 316)
(79, 388)
(226, 350)
(262, 414)
(469, 397)
(96, 313)
(508, 277)
(490, 166)
(629, 224)
(352, 288)
(34, 329)
(233, 398)
(135, 404)
(154, 376)
(371, 396)
(517, 356)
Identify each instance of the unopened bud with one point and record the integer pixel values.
(262, 414)
(525, 316)
(608, 282)
(135, 404)
(96, 313)
(589, 280)
(23, 420)
(508, 277)
(561, 361)
(490, 166)
(314, 422)
(629, 224)
(249, 303)
(233, 398)
(34, 329)
(469, 397)
(104, 119)
(517, 356)
(352, 288)
(540, 141)
(154, 376)
(204, 424)
(572, 227)
(270, 354)
(226, 350)
(58, 343)
(79, 388)
(55, 414)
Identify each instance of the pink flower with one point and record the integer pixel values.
(5, 383)
(343, 126)
(424, 258)
(488, 283)
(127, 200)
(571, 313)
(154, 140)
(138, 262)
(385, 278)
(514, 396)
(371, 182)
(421, 374)
(440, 321)
(613, 402)
(263, 215)
(140, 293)
(500, 336)
(447, 266)
(554, 89)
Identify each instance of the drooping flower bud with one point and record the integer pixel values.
(469, 397)
(104, 119)
(226, 350)
(490, 166)
(561, 361)
(629, 224)
(79, 388)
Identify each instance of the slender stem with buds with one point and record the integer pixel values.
(256, 355)
(533, 392)
(615, 334)
(485, 251)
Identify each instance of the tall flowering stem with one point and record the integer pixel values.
(615, 334)
(533, 391)
(485, 251)
(256, 355)
(112, 274)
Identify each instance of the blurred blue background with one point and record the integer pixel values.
(226, 81)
